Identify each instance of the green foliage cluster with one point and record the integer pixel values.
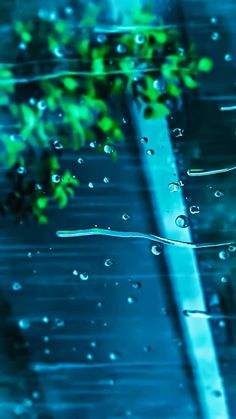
(64, 90)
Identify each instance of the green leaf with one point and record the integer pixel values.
(189, 81)
(28, 116)
(105, 124)
(60, 196)
(70, 83)
(156, 110)
(205, 65)
(42, 219)
(42, 202)
(98, 66)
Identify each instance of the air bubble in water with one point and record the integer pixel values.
(84, 276)
(182, 221)
(108, 149)
(173, 187)
(194, 209)
(69, 10)
(224, 255)
(139, 39)
(228, 57)
(22, 46)
(143, 140)
(215, 36)
(21, 170)
(57, 145)
(101, 38)
(80, 160)
(114, 356)
(16, 286)
(75, 272)
(56, 178)
(132, 300)
(108, 262)
(93, 144)
(89, 357)
(157, 249)
(91, 185)
(178, 132)
(121, 49)
(224, 279)
(59, 51)
(126, 216)
(24, 324)
(136, 284)
(42, 104)
(106, 180)
(150, 152)
(231, 248)
(218, 194)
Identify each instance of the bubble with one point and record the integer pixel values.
(136, 285)
(222, 323)
(56, 178)
(215, 36)
(101, 38)
(29, 255)
(59, 322)
(214, 20)
(228, 57)
(160, 85)
(89, 357)
(32, 101)
(93, 144)
(106, 180)
(24, 324)
(36, 395)
(224, 255)
(108, 262)
(113, 356)
(139, 39)
(57, 145)
(46, 339)
(125, 120)
(218, 194)
(47, 351)
(173, 187)
(121, 49)
(16, 286)
(147, 348)
(91, 185)
(181, 51)
(45, 319)
(143, 140)
(108, 149)
(93, 344)
(126, 216)
(150, 152)
(100, 304)
(59, 51)
(69, 10)
(22, 46)
(178, 132)
(224, 279)
(80, 160)
(21, 170)
(231, 248)
(157, 249)
(217, 393)
(84, 276)
(194, 209)
(182, 221)
(75, 272)
(38, 187)
(42, 104)
(132, 300)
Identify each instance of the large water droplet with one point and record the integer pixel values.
(218, 194)
(182, 221)
(56, 178)
(80, 160)
(136, 285)
(157, 249)
(24, 324)
(84, 276)
(108, 149)
(16, 286)
(194, 209)
(228, 57)
(139, 39)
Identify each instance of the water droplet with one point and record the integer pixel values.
(224, 255)
(182, 221)
(45, 319)
(80, 160)
(38, 187)
(106, 180)
(218, 194)
(214, 20)
(101, 38)
(93, 344)
(22, 46)
(222, 323)
(173, 187)
(29, 254)
(47, 351)
(36, 395)
(91, 185)
(24, 324)
(84, 276)
(178, 132)
(93, 144)
(114, 356)
(160, 85)
(143, 140)
(139, 39)
(147, 348)
(231, 248)
(32, 101)
(108, 262)
(108, 149)
(56, 178)
(57, 145)
(21, 170)
(16, 286)
(215, 36)
(125, 120)
(224, 279)
(46, 339)
(75, 272)
(194, 209)
(59, 322)
(121, 49)
(136, 285)
(126, 216)
(217, 393)
(150, 152)
(89, 357)
(132, 300)
(181, 51)
(157, 249)
(59, 51)
(228, 58)
(69, 10)
(42, 104)
(100, 304)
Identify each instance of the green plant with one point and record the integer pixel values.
(63, 91)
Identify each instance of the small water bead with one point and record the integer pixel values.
(91, 185)
(57, 145)
(126, 216)
(24, 324)
(89, 357)
(222, 324)
(182, 221)
(228, 58)
(178, 132)
(218, 194)
(75, 272)
(194, 209)
(80, 160)
(125, 120)
(59, 322)
(181, 51)
(100, 304)
(59, 51)
(150, 152)
(32, 101)
(108, 149)
(69, 10)
(45, 320)
(29, 254)
(143, 140)
(215, 36)
(47, 351)
(157, 249)
(56, 178)
(93, 144)
(113, 356)
(132, 300)
(108, 262)
(101, 38)
(147, 348)
(21, 170)
(35, 395)
(224, 279)
(16, 286)
(214, 20)
(139, 39)
(121, 49)
(224, 255)
(46, 339)
(136, 285)
(42, 104)
(84, 276)
(38, 187)
(160, 85)
(231, 248)
(106, 180)
(22, 46)
(93, 344)
(173, 187)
